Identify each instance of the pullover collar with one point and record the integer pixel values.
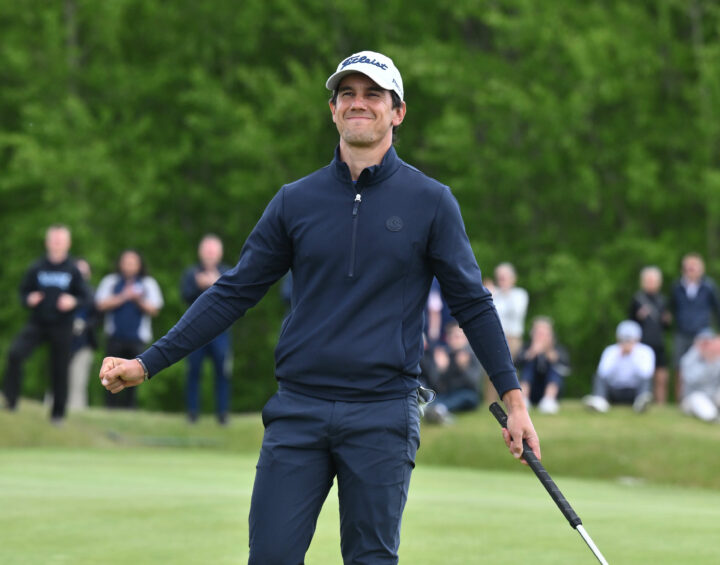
(370, 175)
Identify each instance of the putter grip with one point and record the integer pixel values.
(540, 472)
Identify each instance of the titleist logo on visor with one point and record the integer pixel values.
(363, 59)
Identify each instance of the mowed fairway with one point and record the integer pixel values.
(143, 506)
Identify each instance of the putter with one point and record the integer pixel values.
(550, 486)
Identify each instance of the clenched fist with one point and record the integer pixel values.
(117, 374)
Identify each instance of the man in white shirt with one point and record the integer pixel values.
(511, 303)
(624, 374)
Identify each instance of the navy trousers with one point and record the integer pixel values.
(369, 446)
(219, 351)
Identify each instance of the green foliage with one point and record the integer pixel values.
(581, 140)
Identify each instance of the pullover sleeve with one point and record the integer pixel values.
(455, 267)
(265, 257)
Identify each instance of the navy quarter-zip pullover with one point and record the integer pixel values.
(363, 256)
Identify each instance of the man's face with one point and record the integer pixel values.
(363, 114)
(651, 281)
(504, 277)
(57, 242)
(693, 268)
(210, 251)
(542, 333)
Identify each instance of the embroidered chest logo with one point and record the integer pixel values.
(394, 223)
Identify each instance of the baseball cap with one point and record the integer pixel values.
(374, 65)
(628, 330)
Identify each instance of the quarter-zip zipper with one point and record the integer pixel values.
(356, 207)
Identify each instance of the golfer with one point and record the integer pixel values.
(364, 237)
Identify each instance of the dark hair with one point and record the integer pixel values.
(396, 103)
(143, 269)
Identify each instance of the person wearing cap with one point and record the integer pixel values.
(363, 238)
(701, 373)
(624, 374)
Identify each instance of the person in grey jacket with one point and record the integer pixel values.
(701, 373)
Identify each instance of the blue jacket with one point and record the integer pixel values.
(695, 314)
(362, 258)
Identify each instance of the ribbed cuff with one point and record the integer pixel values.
(504, 382)
(154, 361)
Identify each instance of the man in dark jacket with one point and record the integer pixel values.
(196, 280)
(694, 302)
(649, 309)
(364, 237)
(52, 289)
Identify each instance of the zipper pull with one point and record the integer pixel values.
(358, 199)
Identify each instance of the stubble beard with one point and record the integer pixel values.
(359, 139)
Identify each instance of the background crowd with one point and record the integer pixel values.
(634, 370)
(67, 313)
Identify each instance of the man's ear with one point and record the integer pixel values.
(399, 114)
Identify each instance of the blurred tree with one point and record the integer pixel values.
(580, 139)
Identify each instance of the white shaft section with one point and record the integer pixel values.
(591, 545)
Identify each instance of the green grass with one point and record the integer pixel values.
(143, 488)
(157, 506)
(661, 446)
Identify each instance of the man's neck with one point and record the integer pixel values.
(56, 259)
(359, 158)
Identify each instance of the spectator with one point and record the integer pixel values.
(84, 343)
(457, 381)
(511, 303)
(52, 289)
(129, 298)
(701, 374)
(649, 309)
(624, 375)
(195, 281)
(543, 366)
(693, 300)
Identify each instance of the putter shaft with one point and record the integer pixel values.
(591, 544)
(553, 490)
